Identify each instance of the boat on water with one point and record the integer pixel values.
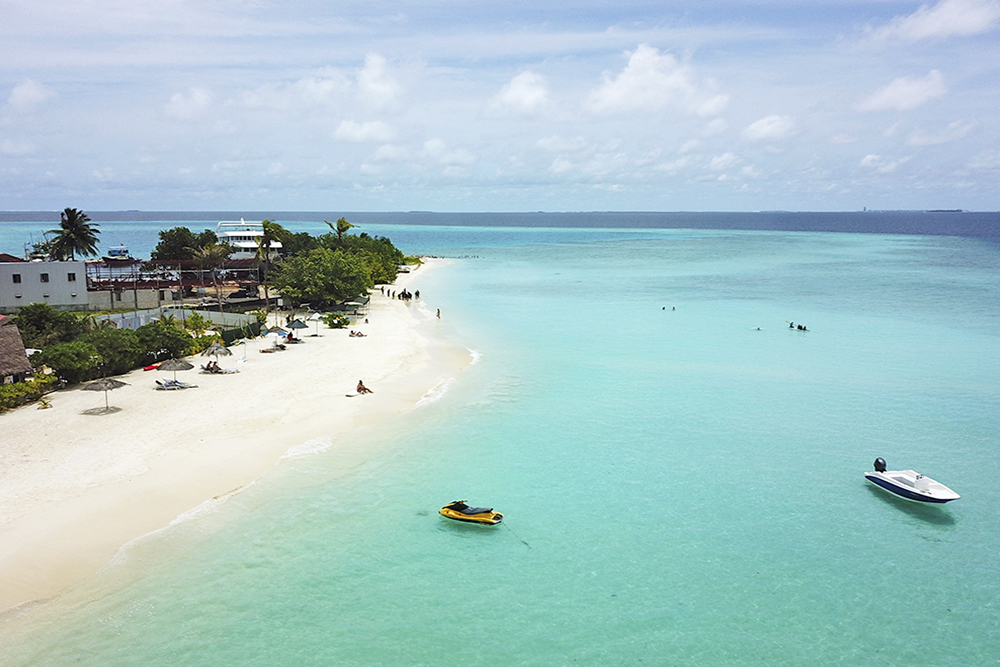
(910, 485)
(243, 237)
(118, 253)
(459, 511)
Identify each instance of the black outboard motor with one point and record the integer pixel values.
(880, 464)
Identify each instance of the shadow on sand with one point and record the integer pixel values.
(102, 411)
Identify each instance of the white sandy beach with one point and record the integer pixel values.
(75, 487)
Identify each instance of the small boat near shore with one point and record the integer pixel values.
(910, 485)
(459, 511)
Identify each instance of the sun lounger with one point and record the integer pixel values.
(173, 384)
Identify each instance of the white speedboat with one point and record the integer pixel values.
(910, 484)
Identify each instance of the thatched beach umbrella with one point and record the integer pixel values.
(175, 365)
(105, 385)
(217, 350)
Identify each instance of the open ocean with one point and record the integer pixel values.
(680, 473)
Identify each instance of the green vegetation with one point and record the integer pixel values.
(80, 349)
(336, 266)
(42, 325)
(322, 275)
(335, 321)
(74, 362)
(182, 243)
(13, 395)
(74, 235)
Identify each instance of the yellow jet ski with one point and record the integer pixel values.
(459, 511)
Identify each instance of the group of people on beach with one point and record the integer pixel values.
(403, 294)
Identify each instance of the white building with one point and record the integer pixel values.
(62, 285)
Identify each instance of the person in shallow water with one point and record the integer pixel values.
(362, 389)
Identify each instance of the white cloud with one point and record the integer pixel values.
(721, 162)
(652, 81)
(955, 130)
(945, 19)
(375, 84)
(689, 145)
(28, 96)
(17, 149)
(378, 131)
(390, 153)
(558, 144)
(714, 127)
(770, 128)
(526, 92)
(275, 168)
(906, 93)
(192, 105)
(876, 162)
(437, 149)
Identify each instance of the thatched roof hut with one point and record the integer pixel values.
(14, 365)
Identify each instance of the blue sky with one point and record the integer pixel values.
(499, 106)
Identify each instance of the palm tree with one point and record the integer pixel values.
(340, 228)
(263, 256)
(212, 256)
(74, 235)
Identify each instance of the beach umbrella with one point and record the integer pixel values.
(297, 324)
(275, 331)
(317, 318)
(175, 365)
(217, 350)
(105, 385)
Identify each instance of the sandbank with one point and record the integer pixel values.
(76, 483)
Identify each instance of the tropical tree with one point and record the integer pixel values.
(264, 255)
(72, 361)
(162, 340)
(340, 228)
(119, 349)
(41, 325)
(322, 275)
(75, 235)
(180, 242)
(212, 256)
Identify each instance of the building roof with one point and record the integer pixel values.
(6, 259)
(13, 358)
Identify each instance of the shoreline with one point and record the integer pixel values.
(75, 488)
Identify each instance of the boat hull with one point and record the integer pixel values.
(485, 517)
(935, 493)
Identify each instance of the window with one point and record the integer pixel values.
(17, 278)
(71, 277)
(44, 277)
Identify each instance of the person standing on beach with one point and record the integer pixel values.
(439, 313)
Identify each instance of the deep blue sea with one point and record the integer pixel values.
(680, 472)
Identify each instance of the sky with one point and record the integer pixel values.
(507, 105)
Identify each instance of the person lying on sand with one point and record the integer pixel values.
(362, 389)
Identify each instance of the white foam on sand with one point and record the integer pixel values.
(308, 448)
(476, 356)
(435, 393)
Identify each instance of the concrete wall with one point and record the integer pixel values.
(127, 298)
(62, 285)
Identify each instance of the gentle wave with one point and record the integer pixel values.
(435, 393)
(476, 356)
(308, 448)
(205, 508)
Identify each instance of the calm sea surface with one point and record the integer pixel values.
(681, 473)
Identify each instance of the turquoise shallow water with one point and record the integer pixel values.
(680, 488)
